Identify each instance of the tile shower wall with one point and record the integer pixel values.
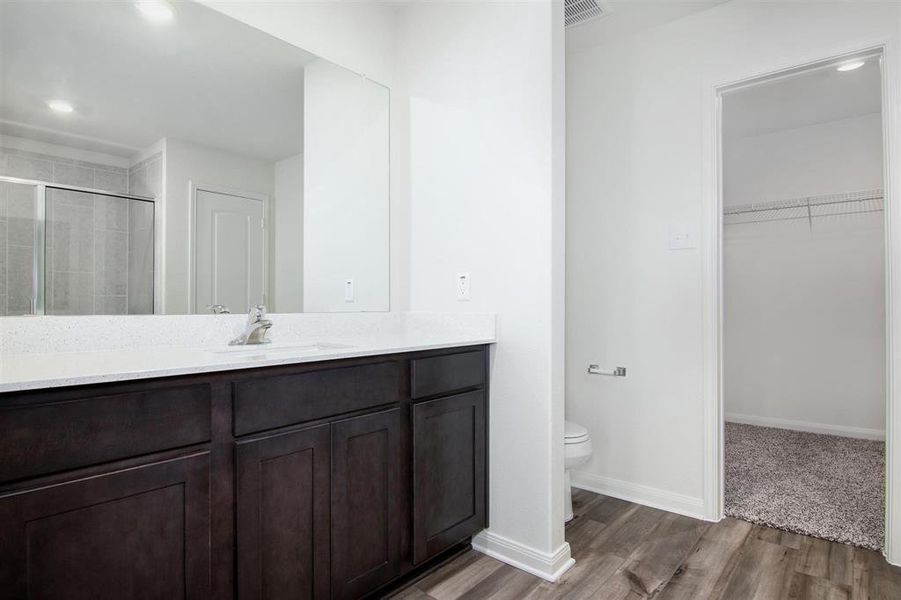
(70, 253)
(17, 209)
(140, 258)
(54, 169)
(144, 179)
(99, 257)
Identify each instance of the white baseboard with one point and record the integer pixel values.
(547, 566)
(640, 494)
(844, 431)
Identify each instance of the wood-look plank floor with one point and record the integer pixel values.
(625, 551)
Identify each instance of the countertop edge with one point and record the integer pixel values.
(154, 373)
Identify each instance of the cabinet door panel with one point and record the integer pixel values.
(138, 533)
(283, 515)
(448, 472)
(366, 503)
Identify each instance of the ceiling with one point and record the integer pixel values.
(807, 98)
(201, 77)
(626, 17)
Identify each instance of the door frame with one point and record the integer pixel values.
(711, 237)
(193, 188)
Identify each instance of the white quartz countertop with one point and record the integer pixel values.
(52, 352)
(32, 370)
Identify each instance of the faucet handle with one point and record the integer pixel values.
(256, 314)
(218, 309)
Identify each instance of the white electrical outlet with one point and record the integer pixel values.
(463, 287)
(348, 290)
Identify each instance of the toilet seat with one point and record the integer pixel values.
(574, 433)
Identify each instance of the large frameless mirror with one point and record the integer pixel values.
(161, 157)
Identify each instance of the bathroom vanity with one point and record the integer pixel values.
(332, 479)
(142, 456)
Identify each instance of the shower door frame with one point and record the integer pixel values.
(889, 55)
(39, 264)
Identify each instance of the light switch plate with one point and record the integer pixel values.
(682, 237)
(348, 290)
(463, 287)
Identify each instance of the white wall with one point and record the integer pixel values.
(828, 158)
(187, 163)
(804, 337)
(287, 227)
(360, 36)
(485, 99)
(638, 124)
(346, 190)
(356, 34)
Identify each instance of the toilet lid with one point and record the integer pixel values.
(573, 432)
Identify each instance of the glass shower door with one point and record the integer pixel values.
(99, 253)
(72, 252)
(21, 249)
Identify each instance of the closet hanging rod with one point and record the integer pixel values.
(806, 202)
(808, 217)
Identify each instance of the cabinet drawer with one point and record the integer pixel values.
(447, 373)
(49, 437)
(270, 402)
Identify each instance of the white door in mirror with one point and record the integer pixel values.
(463, 288)
(229, 261)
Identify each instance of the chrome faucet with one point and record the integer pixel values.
(256, 329)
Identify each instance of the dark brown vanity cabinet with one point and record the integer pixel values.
(283, 501)
(448, 472)
(319, 511)
(319, 480)
(140, 532)
(367, 509)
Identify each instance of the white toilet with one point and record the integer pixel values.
(577, 452)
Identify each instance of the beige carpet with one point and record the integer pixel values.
(821, 485)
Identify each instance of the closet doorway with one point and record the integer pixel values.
(803, 258)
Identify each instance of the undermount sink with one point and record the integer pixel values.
(281, 348)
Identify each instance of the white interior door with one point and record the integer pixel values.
(229, 255)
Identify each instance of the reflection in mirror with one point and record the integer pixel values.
(99, 254)
(186, 165)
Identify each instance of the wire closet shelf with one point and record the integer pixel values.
(807, 208)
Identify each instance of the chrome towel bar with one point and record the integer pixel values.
(615, 372)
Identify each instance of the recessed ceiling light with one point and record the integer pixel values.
(850, 66)
(60, 106)
(156, 10)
